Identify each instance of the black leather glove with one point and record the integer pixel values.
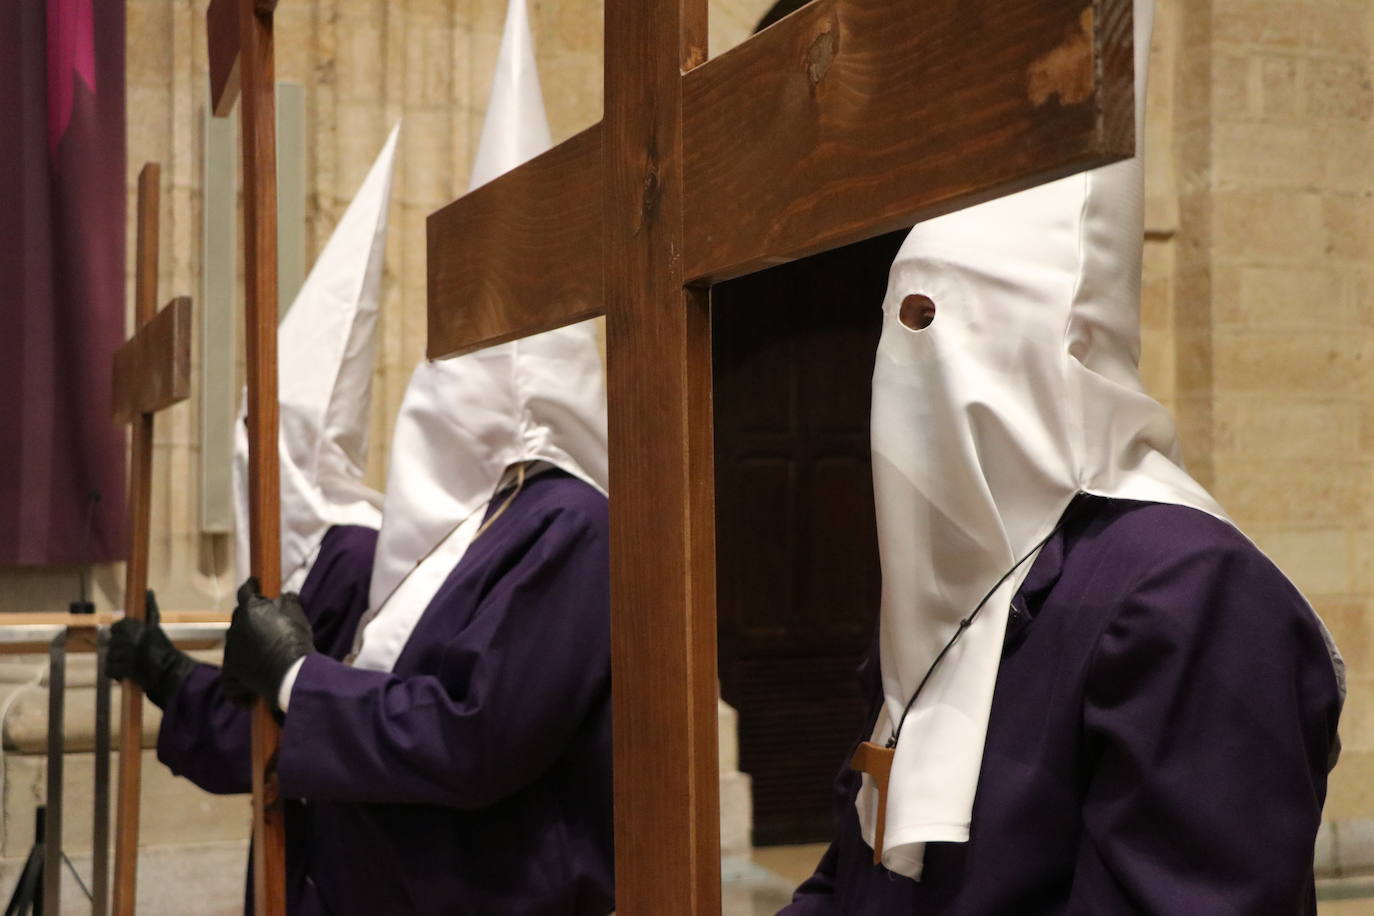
(265, 638)
(140, 651)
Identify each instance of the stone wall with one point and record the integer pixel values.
(1272, 306)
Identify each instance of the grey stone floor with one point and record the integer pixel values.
(761, 884)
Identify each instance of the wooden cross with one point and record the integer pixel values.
(239, 33)
(876, 761)
(845, 120)
(152, 371)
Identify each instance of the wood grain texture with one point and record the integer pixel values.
(1114, 25)
(521, 254)
(152, 370)
(140, 513)
(222, 38)
(257, 120)
(864, 116)
(667, 817)
(240, 38)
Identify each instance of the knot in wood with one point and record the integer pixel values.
(652, 194)
(820, 54)
(1067, 72)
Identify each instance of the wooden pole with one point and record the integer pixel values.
(258, 130)
(663, 630)
(136, 572)
(240, 44)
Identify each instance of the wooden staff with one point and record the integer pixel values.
(240, 38)
(152, 371)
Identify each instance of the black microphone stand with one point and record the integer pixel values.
(85, 605)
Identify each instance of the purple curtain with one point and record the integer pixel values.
(62, 212)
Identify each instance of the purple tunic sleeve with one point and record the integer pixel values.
(511, 685)
(204, 737)
(1211, 688)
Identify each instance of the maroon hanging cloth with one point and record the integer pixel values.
(62, 213)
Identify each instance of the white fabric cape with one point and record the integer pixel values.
(325, 348)
(464, 421)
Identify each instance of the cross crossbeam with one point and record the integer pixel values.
(483, 246)
(152, 371)
(222, 31)
(852, 118)
(846, 120)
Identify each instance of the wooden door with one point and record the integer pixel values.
(797, 552)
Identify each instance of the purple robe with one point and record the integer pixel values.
(1162, 727)
(208, 739)
(475, 778)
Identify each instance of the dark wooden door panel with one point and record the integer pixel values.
(803, 714)
(797, 553)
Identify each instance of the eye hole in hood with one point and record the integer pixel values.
(917, 312)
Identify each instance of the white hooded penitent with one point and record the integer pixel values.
(325, 346)
(464, 422)
(1023, 392)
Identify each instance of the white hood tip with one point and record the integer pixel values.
(326, 348)
(516, 128)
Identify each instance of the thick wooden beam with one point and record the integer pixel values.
(257, 128)
(667, 817)
(520, 254)
(152, 370)
(853, 118)
(222, 36)
(241, 66)
(848, 119)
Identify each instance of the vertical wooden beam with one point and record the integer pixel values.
(663, 565)
(257, 117)
(136, 572)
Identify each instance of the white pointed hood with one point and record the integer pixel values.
(1022, 392)
(464, 421)
(516, 128)
(325, 347)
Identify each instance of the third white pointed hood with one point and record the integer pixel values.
(326, 346)
(516, 128)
